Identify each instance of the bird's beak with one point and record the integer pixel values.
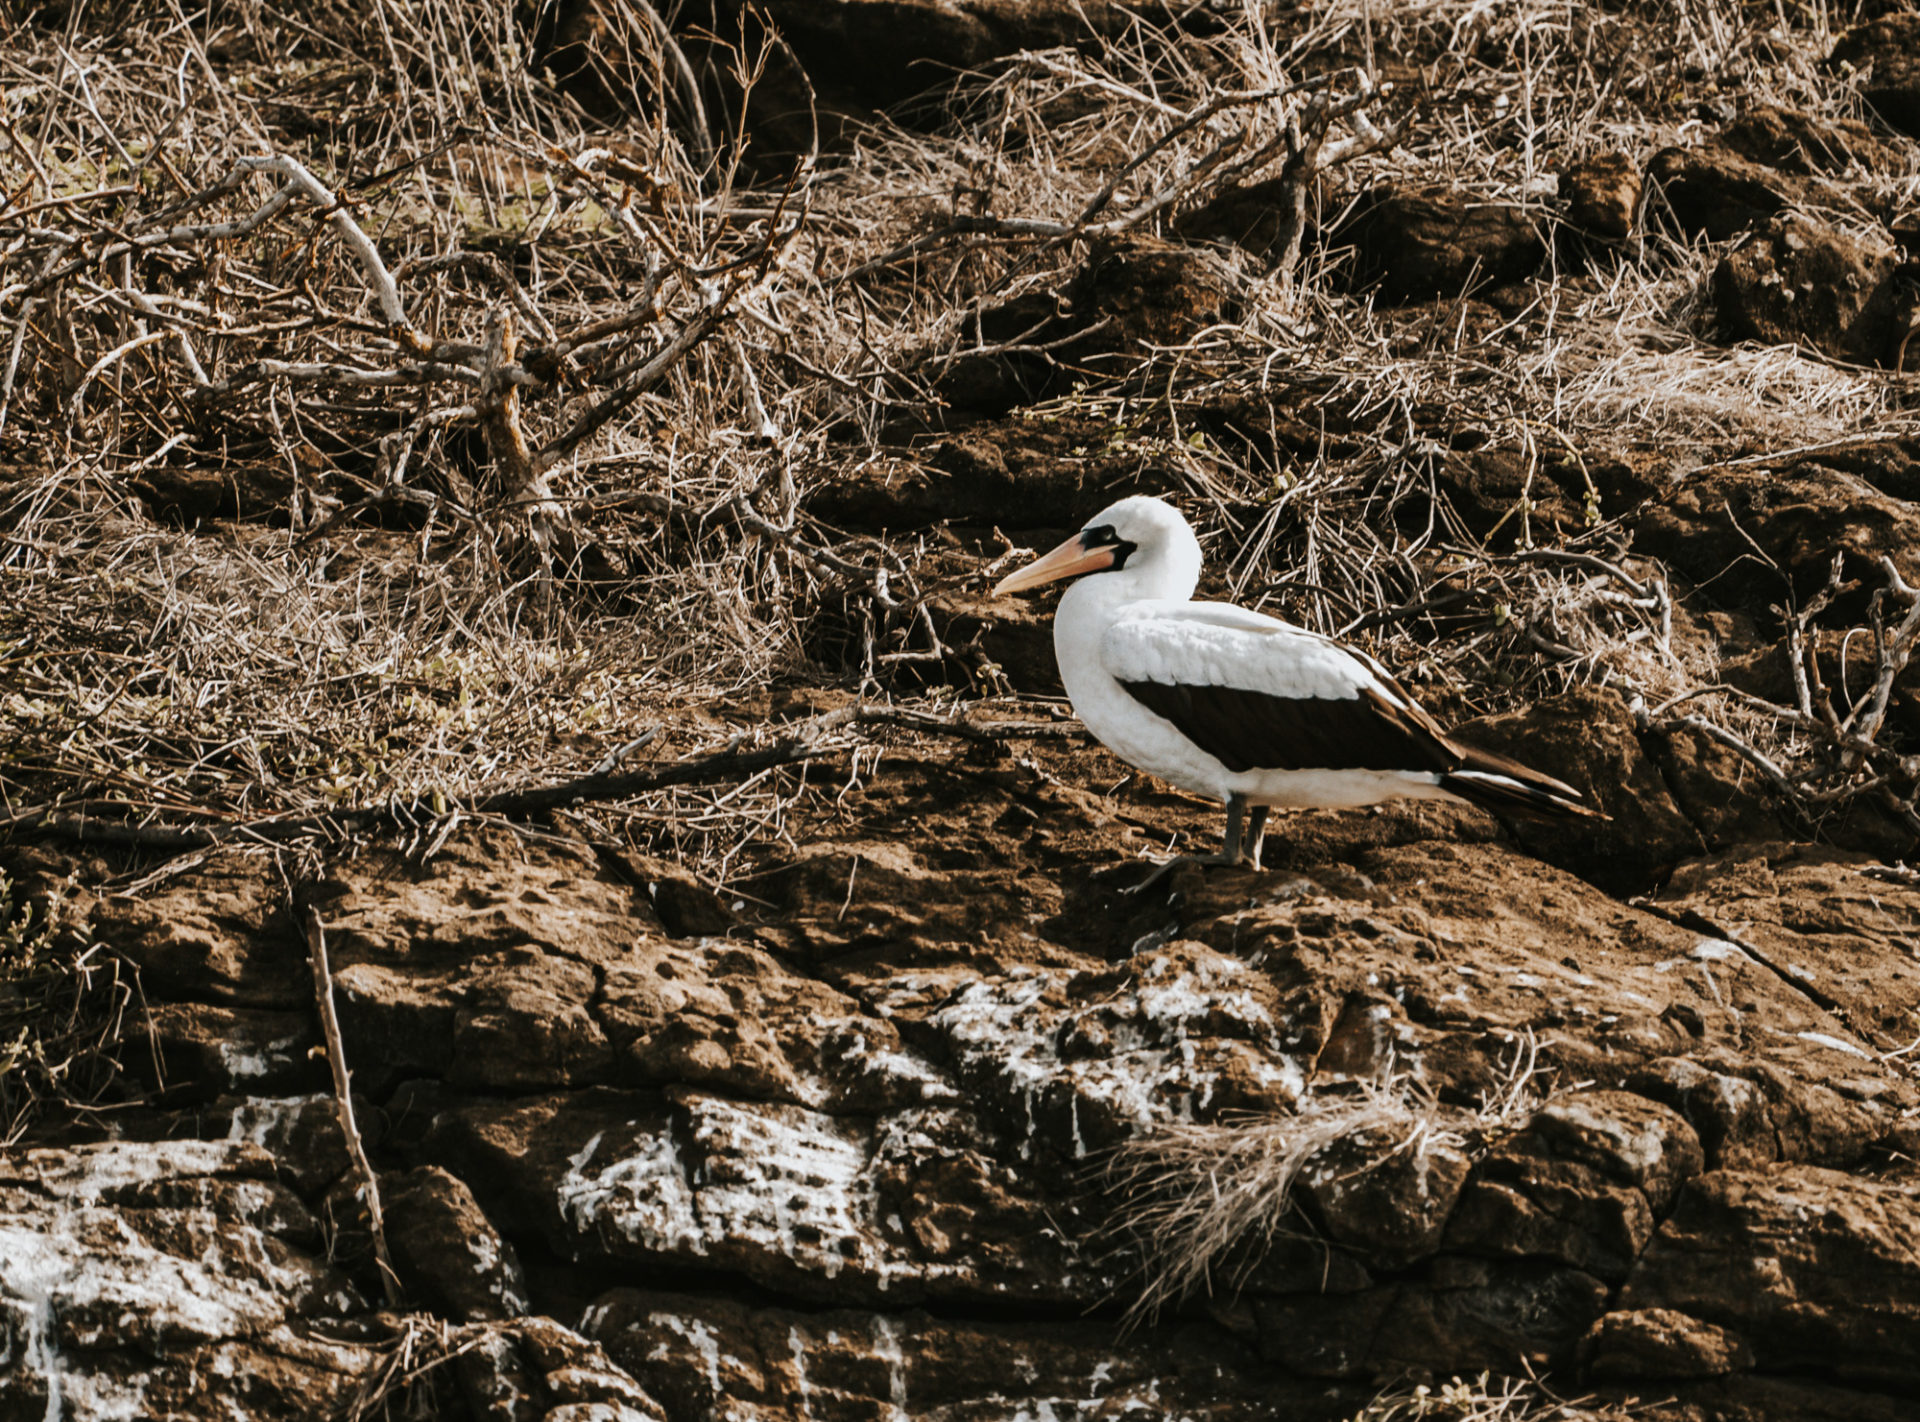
(1068, 560)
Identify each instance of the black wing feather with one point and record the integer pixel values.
(1256, 730)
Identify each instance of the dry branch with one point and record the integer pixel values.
(1851, 763)
(1294, 122)
(369, 1191)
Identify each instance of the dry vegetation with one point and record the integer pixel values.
(1203, 1201)
(520, 414)
(1489, 1399)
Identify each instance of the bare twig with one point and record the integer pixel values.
(343, 1102)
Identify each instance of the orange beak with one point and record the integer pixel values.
(1068, 560)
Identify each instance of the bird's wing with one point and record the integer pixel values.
(1258, 693)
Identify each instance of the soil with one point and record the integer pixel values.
(838, 1122)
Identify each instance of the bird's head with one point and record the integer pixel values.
(1143, 537)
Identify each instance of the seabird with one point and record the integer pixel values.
(1241, 707)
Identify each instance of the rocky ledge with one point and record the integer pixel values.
(915, 1125)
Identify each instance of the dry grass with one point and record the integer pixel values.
(63, 1014)
(1197, 1195)
(1199, 1204)
(1486, 1398)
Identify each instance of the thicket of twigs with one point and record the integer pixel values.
(519, 406)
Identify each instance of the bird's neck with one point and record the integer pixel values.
(1092, 604)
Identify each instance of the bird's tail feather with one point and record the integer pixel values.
(1527, 793)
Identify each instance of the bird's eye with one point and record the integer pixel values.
(1102, 537)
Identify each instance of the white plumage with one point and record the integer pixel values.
(1239, 706)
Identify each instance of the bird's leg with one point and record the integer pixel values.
(1257, 833)
(1230, 851)
(1236, 812)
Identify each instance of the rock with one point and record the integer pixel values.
(696, 1352)
(1028, 474)
(1132, 294)
(686, 907)
(1656, 1344)
(207, 940)
(890, 1084)
(1508, 495)
(1434, 243)
(1816, 916)
(523, 1023)
(1073, 1062)
(1768, 160)
(1711, 192)
(1473, 1312)
(151, 1277)
(1385, 1194)
(1327, 1336)
(1155, 293)
(1716, 790)
(188, 493)
(1794, 280)
(589, 998)
(1883, 58)
(1816, 1269)
(1745, 1121)
(1602, 1004)
(1293, 1263)
(1730, 1113)
(731, 1017)
(1524, 1204)
(1602, 194)
(887, 50)
(1789, 141)
(1250, 216)
(204, 1050)
(800, 1201)
(1625, 1137)
(1588, 738)
(1763, 1399)
(1701, 529)
(579, 1375)
(302, 1132)
(832, 67)
(537, 1369)
(448, 1255)
(1583, 1184)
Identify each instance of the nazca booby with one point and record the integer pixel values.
(1242, 707)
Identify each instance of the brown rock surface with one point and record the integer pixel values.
(1421, 244)
(903, 1114)
(1812, 1267)
(1132, 293)
(1715, 192)
(1602, 194)
(1794, 279)
(1663, 1343)
(1883, 59)
(1768, 159)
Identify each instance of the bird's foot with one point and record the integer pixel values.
(1205, 861)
